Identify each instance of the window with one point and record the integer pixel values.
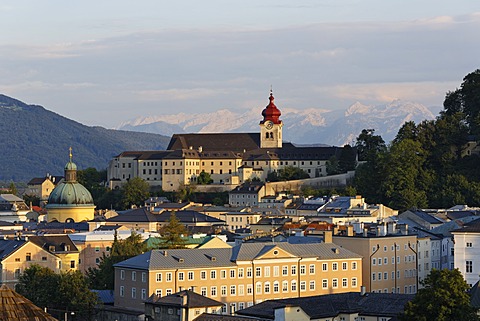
(469, 267)
(232, 274)
(344, 282)
(258, 271)
(334, 266)
(122, 291)
(276, 271)
(158, 292)
(335, 283)
(168, 291)
(213, 291)
(28, 256)
(324, 283)
(284, 270)
(18, 272)
(213, 274)
(344, 266)
(122, 274)
(258, 288)
(169, 277)
(233, 290)
(469, 244)
(267, 287)
(294, 270)
(249, 289)
(303, 269)
(385, 275)
(72, 264)
(276, 287)
(294, 286)
(144, 294)
(159, 277)
(385, 260)
(312, 286)
(374, 261)
(324, 267)
(181, 276)
(354, 265)
(266, 271)
(223, 274)
(134, 276)
(190, 275)
(241, 289)
(134, 293)
(249, 272)
(203, 275)
(285, 286)
(354, 282)
(303, 286)
(97, 248)
(311, 268)
(223, 290)
(373, 276)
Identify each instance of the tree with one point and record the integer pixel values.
(347, 160)
(444, 298)
(102, 277)
(369, 145)
(332, 166)
(135, 192)
(58, 292)
(172, 234)
(33, 199)
(13, 188)
(204, 178)
(37, 284)
(94, 181)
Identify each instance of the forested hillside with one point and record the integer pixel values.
(427, 165)
(35, 141)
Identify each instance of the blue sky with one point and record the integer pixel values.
(104, 62)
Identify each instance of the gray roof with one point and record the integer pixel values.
(193, 300)
(471, 227)
(144, 215)
(330, 305)
(105, 296)
(250, 251)
(198, 258)
(426, 217)
(446, 229)
(225, 317)
(7, 247)
(54, 243)
(236, 142)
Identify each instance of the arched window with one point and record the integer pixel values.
(266, 135)
(271, 135)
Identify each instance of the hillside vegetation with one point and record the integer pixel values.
(427, 165)
(35, 141)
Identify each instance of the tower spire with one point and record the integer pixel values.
(70, 153)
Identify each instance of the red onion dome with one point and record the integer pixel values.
(271, 112)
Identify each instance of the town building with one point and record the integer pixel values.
(389, 260)
(41, 187)
(341, 306)
(229, 158)
(13, 208)
(467, 251)
(241, 276)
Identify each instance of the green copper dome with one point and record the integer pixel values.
(71, 166)
(70, 193)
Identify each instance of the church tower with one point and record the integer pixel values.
(271, 126)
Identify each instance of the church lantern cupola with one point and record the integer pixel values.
(271, 126)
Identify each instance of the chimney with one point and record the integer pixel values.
(165, 253)
(200, 149)
(349, 230)
(363, 290)
(184, 299)
(365, 232)
(327, 236)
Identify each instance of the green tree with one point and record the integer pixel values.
(38, 284)
(58, 292)
(172, 234)
(102, 277)
(34, 199)
(94, 181)
(289, 173)
(12, 188)
(347, 160)
(369, 145)
(135, 192)
(204, 178)
(443, 298)
(332, 166)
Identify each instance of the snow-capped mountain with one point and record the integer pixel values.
(308, 126)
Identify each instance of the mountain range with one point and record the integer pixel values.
(308, 126)
(35, 141)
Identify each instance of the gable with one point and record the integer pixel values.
(274, 252)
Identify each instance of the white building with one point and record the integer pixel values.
(467, 251)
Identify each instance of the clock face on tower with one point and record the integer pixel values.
(269, 124)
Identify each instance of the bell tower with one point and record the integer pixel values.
(271, 126)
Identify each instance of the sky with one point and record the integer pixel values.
(110, 61)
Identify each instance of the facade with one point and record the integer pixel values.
(12, 208)
(41, 187)
(467, 251)
(19, 254)
(229, 158)
(240, 220)
(241, 276)
(389, 261)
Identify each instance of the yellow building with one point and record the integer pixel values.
(240, 276)
(229, 158)
(389, 261)
(70, 200)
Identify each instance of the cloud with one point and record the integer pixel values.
(174, 94)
